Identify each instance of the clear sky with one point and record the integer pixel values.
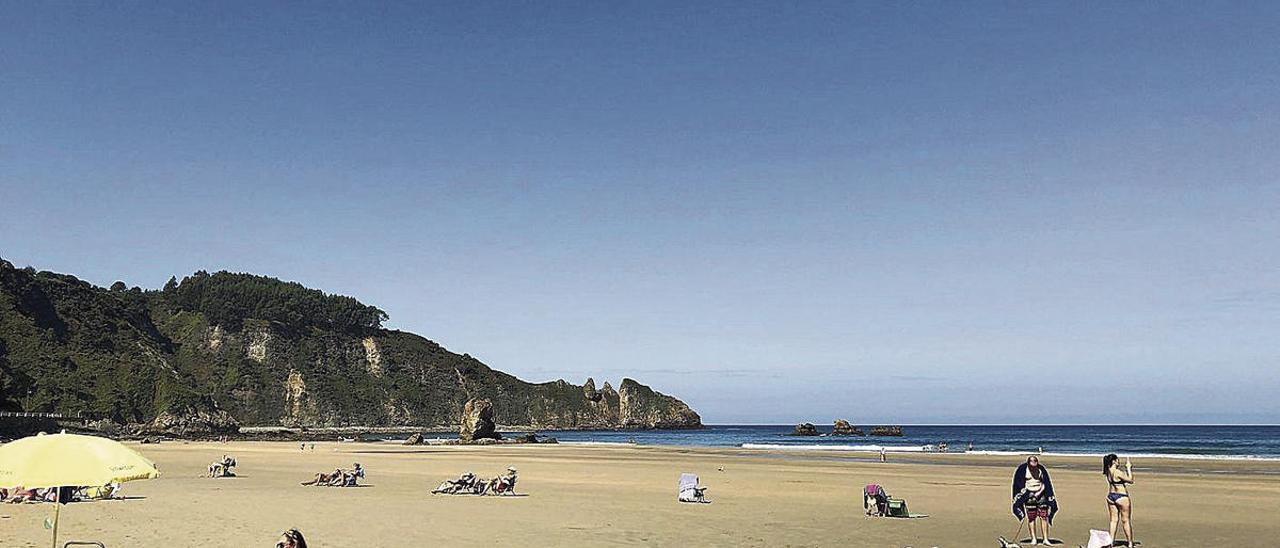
(903, 212)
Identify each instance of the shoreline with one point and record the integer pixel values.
(624, 495)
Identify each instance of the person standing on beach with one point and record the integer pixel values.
(1119, 505)
(1033, 497)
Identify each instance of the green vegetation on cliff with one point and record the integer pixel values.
(266, 352)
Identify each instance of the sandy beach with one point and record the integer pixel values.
(580, 495)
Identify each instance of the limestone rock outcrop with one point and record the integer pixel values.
(843, 428)
(805, 429)
(194, 422)
(477, 421)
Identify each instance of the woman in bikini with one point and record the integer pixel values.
(1119, 505)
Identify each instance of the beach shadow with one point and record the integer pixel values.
(1054, 541)
(1126, 543)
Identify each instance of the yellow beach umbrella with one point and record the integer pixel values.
(69, 460)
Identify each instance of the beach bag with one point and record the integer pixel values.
(1099, 539)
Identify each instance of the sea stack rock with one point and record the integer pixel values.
(805, 429)
(843, 428)
(477, 421)
(415, 439)
(589, 390)
(886, 431)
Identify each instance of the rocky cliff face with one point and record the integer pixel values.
(153, 357)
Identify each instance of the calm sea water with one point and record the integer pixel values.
(1244, 442)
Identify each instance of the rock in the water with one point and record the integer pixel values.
(414, 439)
(805, 429)
(843, 428)
(886, 431)
(477, 421)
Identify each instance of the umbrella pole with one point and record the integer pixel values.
(57, 510)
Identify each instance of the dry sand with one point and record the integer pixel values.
(609, 495)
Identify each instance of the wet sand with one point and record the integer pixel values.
(577, 495)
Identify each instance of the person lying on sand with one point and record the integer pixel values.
(331, 479)
(338, 478)
(20, 495)
(466, 483)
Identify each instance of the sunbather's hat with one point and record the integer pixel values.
(511, 468)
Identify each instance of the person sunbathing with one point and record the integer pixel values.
(465, 482)
(350, 478)
(222, 468)
(323, 479)
(504, 483)
(20, 495)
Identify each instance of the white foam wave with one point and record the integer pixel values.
(924, 449)
(819, 447)
(1179, 456)
(613, 443)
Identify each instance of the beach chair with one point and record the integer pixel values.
(898, 509)
(689, 489)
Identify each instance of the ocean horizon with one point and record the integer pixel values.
(1201, 441)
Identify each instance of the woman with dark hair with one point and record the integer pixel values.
(291, 539)
(1033, 498)
(1119, 505)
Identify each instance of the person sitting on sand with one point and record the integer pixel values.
(1033, 496)
(349, 479)
(504, 483)
(291, 539)
(222, 468)
(1119, 505)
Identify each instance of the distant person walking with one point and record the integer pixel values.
(1119, 505)
(1033, 498)
(883, 457)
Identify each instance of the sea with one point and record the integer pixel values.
(1184, 442)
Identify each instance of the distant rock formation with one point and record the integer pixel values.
(414, 439)
(843, 428)
(477, 421)
(269, 353)
(589, 390)
(805, 429)
(886, 431)
(193, 422)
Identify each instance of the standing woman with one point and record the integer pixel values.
(1119, 505)
(1033, 497)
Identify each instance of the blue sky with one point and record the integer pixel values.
(935, 212)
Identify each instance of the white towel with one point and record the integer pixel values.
(1099, 539)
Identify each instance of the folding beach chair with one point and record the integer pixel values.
(689, 489)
